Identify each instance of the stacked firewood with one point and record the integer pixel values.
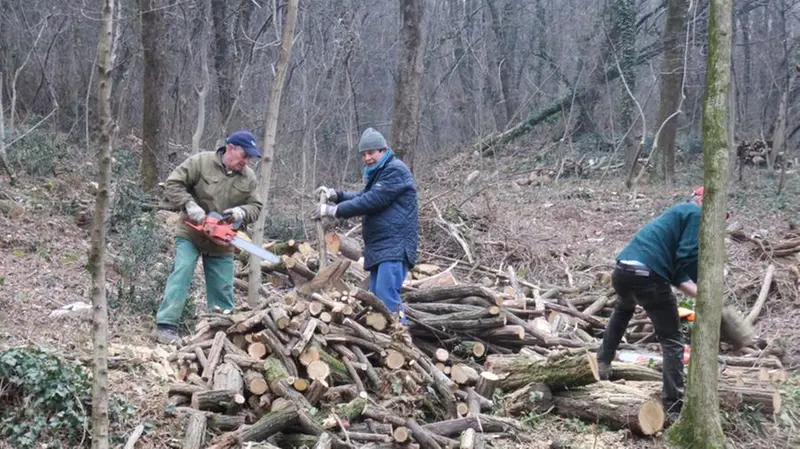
(324, 364)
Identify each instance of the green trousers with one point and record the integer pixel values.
(219, 282)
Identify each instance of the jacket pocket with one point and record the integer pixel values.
(208, 189)
(242, 188)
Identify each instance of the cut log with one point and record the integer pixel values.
(377, 321)
(464, 375)
(257, 350)
(483, 423)
(300, 384)
(437, 294)
(558, 372)
(615, 405)
(487, 382)
(441, 355)
(217, 400)
(228, 376)
(401, 434)
(256, 384)
(268, 425)
(347, 412)
(184, 389)
(279, 317)
(469, 439)
(422, 435)
(632, 371)
(471, 348)
(214, 355)
(318, 370)
(195, 433)
(340, 244)
(531, 398)
(305, 337)
(394, 359)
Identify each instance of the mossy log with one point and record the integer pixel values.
(558, 372)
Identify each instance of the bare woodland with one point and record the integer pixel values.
(642, 89)
(608, 74)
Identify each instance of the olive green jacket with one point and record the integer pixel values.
(202, 178)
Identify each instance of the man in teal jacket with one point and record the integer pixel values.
(662, 254)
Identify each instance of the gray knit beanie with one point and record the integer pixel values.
(371, 140)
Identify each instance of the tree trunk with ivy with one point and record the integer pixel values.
(622, 50)
(405, 113)
(699, 425)
(270, 129)
(155, 137)
(97, 254)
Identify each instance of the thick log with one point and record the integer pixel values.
(618, 406)
(279, 382)
(369, 299)
(247, 324)
(305, 337)
(244, 363)
(559, 371)
(269, 338)
(184, 389)
(328, 276)
(530, 398)
(436, 294)
(464, 375)
(217, 400)
(632, 371)
(471, 348)
(256, 383)
(339, 243)
(268, 425)
(347, 412)
(195, 433)
(384, 416)
(214, 355)
(483, 423)
(228, 376)
(487, 382)
(421, 435)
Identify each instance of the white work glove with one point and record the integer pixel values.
(330, 194)
(237, 213)
(196, 213)
(324, 210)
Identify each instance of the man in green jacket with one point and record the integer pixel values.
(662, 254)
(213, 181)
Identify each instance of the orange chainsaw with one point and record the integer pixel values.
(221, 230)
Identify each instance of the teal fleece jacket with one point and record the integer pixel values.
(669, 244)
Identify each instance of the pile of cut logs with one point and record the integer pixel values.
(324, 364)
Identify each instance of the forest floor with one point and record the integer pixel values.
(557, 231)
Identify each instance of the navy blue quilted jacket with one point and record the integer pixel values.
(388, 203)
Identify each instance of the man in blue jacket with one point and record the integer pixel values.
(662, 254)
(390, 226)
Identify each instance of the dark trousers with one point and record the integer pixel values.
(655, 296)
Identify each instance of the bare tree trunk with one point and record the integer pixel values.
(405, 114)
(154, 132)
(202, 93)
(223, 59)
(3, 155)
(671, 81)
(504, 28)
(270, 129)
(97, 252)
(699, 425)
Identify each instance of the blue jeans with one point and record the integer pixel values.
(219, 282)
(385, 281)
